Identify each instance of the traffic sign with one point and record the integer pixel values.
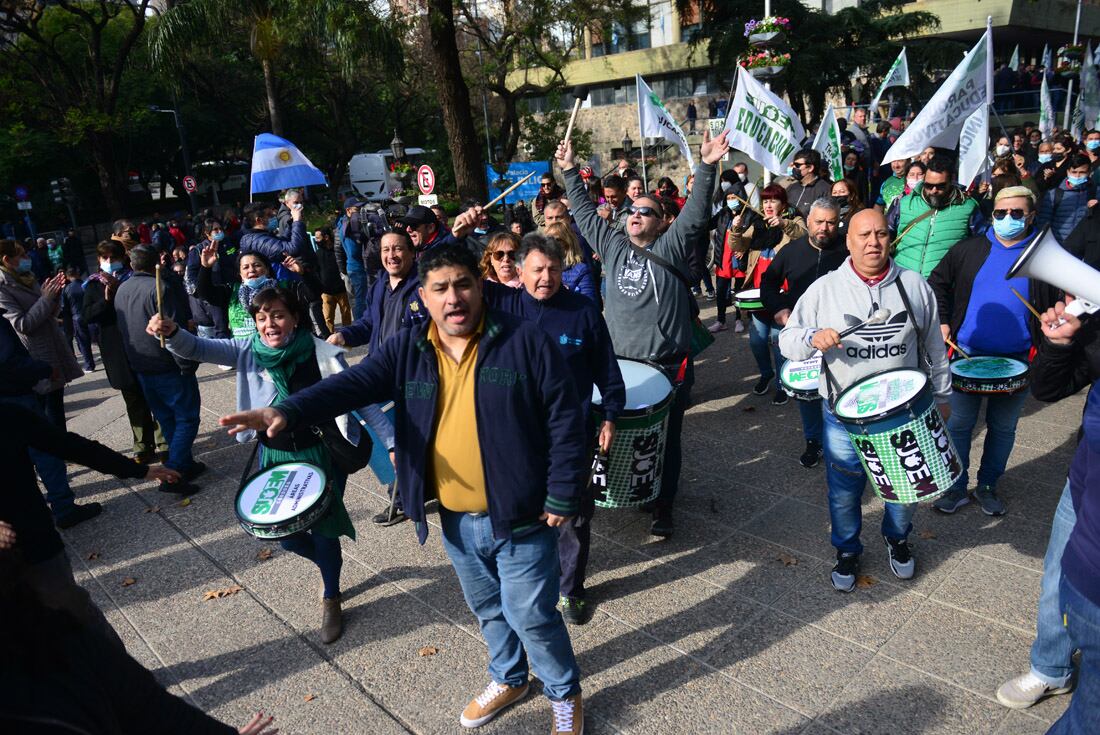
(23, 205)
(189, 184)
(425, 179)
(22, 194)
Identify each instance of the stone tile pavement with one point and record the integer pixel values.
(729, 626)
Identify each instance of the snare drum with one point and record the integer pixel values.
(800, 379)
(631, 474)
(283, 500)
(748, 300)
(899, 435)
(989, 374)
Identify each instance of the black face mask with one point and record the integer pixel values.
(841, 201)
(1058, 156)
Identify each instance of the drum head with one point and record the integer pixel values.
(749, 294)
(645, 385)
(880, 394)
(280, 492)
(803, 375)
(989, 367)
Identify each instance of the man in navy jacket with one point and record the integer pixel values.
(488, 422)
(576, 326)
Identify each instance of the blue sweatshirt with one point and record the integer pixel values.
(369, 329)
(576, 326)
(528, 419)
(996, 322)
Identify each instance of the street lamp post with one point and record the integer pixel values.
(501, 167)
(628, 147)
(185, 154)
(397, 148)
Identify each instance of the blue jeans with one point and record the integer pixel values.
(1052, 651)
(51, 470)
(846, 479)
(359, 290)
(812, 422)
(1082, 618)
(512, 587)
(1002, 412)
(174, 400)
(764, 343)
(324, 552)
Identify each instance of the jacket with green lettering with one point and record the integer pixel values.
(925, 244)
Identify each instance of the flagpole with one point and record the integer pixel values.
(767, 86)
(641, 131)
(1069, 85)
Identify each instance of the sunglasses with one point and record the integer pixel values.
(936, 187)
(801, 164)
(644, 211)
(502, 254)
(546, 185)
(1016, 213)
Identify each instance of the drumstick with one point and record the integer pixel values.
(160, 304)
(506, 192)
(879, 317)
(580, 94)
(748, 205)
(1028, 305)
(956, 347)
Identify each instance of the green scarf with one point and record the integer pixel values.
(280, 362)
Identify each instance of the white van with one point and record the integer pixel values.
(370, 173)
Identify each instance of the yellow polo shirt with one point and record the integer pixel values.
(456, 452)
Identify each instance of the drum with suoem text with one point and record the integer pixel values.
(989, 374)
(282, 500)
(630, 474)
(899, 435)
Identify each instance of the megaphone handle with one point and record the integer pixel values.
(1080, 307)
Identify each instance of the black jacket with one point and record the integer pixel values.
(1084, 241)
(799, 264)
(135, 304)
(21, 502)
(101, 312)
(1060, 371)
(952, 280)
(19, 372)
(328, 271)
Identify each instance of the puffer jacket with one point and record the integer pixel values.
(1063, 207)
(34, 316)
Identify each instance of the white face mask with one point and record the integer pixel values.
(911, 183)
(744, 178)
(1002, 150)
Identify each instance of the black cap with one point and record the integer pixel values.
(353, 201)
(418, 215)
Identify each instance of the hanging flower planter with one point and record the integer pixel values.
(766, 72)
(1070, 52)
(770, 38)
(765, 64)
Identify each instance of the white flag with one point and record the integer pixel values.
(898, 76)
(1014, 62)
(1046, 110)
(973, 144)
(655, 122)
(1090, 91)
(827, 143)
(1047, 60)
(762, 125)
(941, 120)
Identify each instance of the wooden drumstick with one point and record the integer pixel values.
(506, 192)
(1028, 305)
(748, 205)
(160, 304)
(580, 94)
(956, 347)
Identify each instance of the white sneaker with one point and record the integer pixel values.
(1025, 690)
(716, 327)
(738, 326)
(225, 368)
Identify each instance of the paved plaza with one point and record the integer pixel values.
(729, 626)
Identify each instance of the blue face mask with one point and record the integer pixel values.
(24, 265)
(217, 236)
(1092, 144)
(1076, 180)
(1045, 157)
(1009, 228)
(111, 267)
(257, 283)
(273, 224)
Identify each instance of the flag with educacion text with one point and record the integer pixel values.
(762, 125)
(655, 121)
(940, 122)
(897, 76)
(827, 143)
(973, 146)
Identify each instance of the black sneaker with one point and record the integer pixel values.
(761, 386)
(811, 456)
(780, 398)
(574, 610)
(196, 469)
(180, 489)
(390, 517)
(662, 523)
(901, 558)
(79, 514)
(845, 571)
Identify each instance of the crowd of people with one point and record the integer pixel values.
(485, 341)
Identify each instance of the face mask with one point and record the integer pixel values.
(1045, 157)
(1002, 150)
(257, 283)
(1059, 156)
(273, 224)
(790, 170)
(1092, 145)
(744, 178)
(726, 186)
(1009, 228)
(840, 201)
(733, 204)
(913, 183)
(24, 266)
(849, 168)
(218, 236)
(110, 267)
(1076, 180)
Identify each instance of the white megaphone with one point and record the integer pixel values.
(1045, 260)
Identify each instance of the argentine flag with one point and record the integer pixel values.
(278, 164)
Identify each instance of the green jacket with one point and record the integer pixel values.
(924, 245)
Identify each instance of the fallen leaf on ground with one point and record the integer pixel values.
(184, 503)
(428, 651)
(232, 590)
(218, 594)
(153, 509)
(787, 559)
(128, 581)
(864, 581)
(749, 409)
(310, 697)
(93, 556)
(926, 534)
(211, 595)
(264, 554)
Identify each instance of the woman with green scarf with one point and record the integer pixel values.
(279, 359)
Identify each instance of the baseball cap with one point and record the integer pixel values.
(353, 202)
(418, 215)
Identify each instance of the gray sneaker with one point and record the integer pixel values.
(1026, 689)
(987, 498)
(951, 500)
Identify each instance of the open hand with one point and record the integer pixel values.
(209, 255)
(270, 420)
(713, 149)
(162, 474)
(259, 725)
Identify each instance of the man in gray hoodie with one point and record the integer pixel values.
(649, 308)
(910, 338)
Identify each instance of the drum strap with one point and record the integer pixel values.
(248, 464)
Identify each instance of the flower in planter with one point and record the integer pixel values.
(770, 24)
(1070, 48)
(758, 59)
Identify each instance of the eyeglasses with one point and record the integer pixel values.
(802, 164)
(644, 211)
(499, 255)
(546, 184)
(938, 187)
(1016, 213)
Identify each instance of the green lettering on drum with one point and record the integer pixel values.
(270, 492)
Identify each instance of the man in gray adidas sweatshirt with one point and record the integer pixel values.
(910, 338)
(648, 308)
